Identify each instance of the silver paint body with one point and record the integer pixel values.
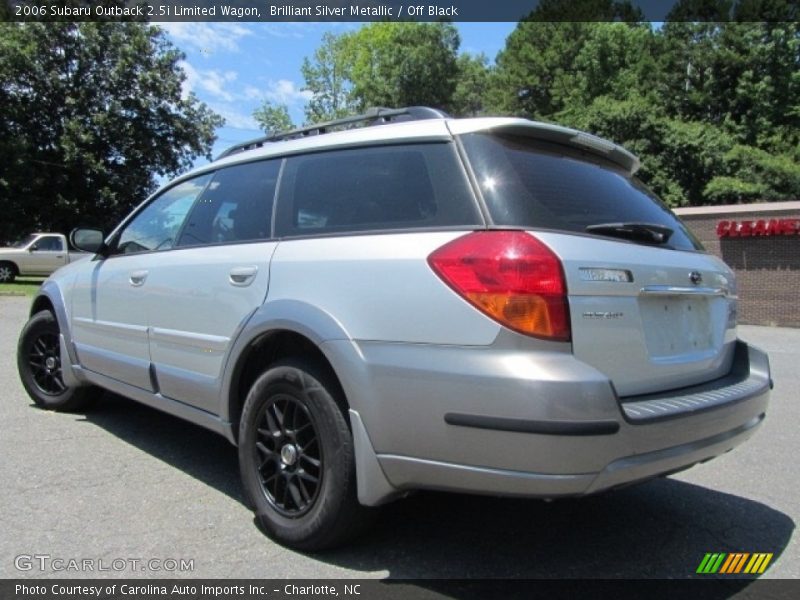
(167, 328)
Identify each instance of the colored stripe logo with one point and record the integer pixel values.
(735, 562)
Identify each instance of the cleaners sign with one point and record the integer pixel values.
(761, 227)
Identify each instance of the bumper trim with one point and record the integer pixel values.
(571, 428)
(640, 467)
(749, 377)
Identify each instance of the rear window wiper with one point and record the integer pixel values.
(644, 232)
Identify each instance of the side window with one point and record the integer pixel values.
(236, 206)
(374, 188)
(50, 243)
(156, 227)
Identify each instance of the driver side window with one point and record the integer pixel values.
(158, 225)
(49, 244)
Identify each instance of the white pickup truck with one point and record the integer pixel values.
(37, 254)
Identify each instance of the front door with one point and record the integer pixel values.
(44, 256)
(109, 311)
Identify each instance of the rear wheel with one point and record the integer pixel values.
(7, 272)
(296, 457)
(39, 366)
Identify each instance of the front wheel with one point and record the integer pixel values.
(7, 272)
(39, 366)
(297, 459)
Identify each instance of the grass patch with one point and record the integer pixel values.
(21, 286)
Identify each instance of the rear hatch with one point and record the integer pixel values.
(648, 307)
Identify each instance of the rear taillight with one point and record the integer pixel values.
(512, 277)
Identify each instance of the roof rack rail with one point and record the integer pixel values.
(375, 115)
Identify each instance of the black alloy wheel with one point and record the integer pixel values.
(289, 456)
(40, 367)
(44, 360)
(297, 457)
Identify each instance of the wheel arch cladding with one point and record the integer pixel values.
(266, 349)
(42, 302)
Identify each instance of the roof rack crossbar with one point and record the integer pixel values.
(375, 115)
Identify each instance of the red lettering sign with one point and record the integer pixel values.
(758, 228)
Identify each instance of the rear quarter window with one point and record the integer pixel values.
(535, 184)
(375, 188)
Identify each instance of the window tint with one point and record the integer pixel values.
(156, 227)
(50, 244)
(394, 187)
(529, 183)
(236, 206)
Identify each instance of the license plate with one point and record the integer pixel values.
(676, 326)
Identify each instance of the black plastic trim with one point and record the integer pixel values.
(740, 373)
(576, 428)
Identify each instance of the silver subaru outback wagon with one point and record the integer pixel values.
(403, 301)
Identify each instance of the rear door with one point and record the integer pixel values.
(649, 308)
(203, 291)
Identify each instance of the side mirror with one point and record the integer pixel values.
(88, 240)
(33, 247)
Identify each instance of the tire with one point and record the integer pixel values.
(297, 459)
(39, 366)
(7, 272)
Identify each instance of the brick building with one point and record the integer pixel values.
(761, 242)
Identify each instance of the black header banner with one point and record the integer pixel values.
(402, 10)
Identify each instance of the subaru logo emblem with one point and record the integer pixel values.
(695, 277)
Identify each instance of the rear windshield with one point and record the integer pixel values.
(531, 183)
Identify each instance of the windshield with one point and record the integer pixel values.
(537, 184)
(24, 241)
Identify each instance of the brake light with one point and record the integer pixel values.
(512, 277)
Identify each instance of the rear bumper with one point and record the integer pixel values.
(749, 377)
(479, 421)
(412, 473)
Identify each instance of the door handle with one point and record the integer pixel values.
(242, 276)
(137, 278)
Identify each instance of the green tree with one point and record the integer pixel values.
(535, 74)
(616, 60)
(469, 96)
(751, 174)
(91, 114)
(712, 109)
(403, 64)
(327, 76)
(534, 68)
(742, 76)
(273, 118)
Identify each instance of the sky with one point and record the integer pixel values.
(234, 67)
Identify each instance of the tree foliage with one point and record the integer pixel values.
(382, 64)
(273, 118)
(91, 114)
(402, 64)
(711, 108)
(327, 77)
(469, 95)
